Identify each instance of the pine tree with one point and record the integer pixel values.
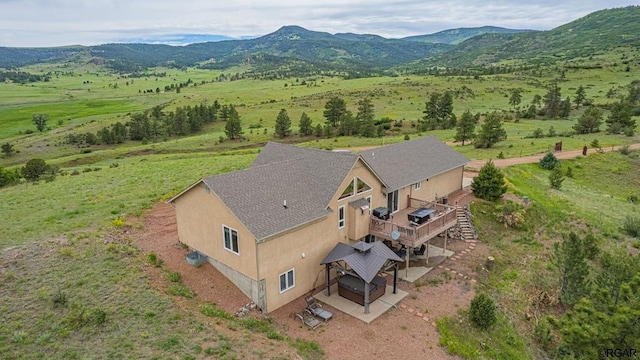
(589, 122)
(283, 124)
(491, 132)
(305, 125)
(233, 127)
(364, 117)
(466, 127)
(489, 184)
(581, 96)
(335, 110)
(552, 101)
(482, 311)
(569, 257)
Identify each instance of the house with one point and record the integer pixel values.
(268, 227)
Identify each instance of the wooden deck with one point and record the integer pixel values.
(412, 236)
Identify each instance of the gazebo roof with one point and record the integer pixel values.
(366, 259)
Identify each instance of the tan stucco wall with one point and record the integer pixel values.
(316, 240)
(200, 215)
(442, 185)
(280, 255)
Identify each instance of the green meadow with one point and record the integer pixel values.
(63, 289)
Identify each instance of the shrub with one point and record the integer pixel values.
(180, 290)
(59, 298)
(569, 172)
(212, 311)
(549, 161)
(625, 150)
(632, 225)
(511, 214)
(34, 169)
(174, 276)
(154, 260)
(482, 311)
(556, 178)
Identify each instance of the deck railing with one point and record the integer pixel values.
(414, 236)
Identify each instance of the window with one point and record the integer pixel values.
(362, 186)
(347, 192)
(417, 185)
(230, 239)
(341, 217)
(287, 281)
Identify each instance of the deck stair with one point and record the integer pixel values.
(467, 231)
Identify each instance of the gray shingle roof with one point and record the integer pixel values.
(305, 178)
(408, 162)
(366, 259)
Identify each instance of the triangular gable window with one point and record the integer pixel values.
(347, 192)
(362, 186)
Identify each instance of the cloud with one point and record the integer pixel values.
(65, 22)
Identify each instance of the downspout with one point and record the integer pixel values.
(264, 311)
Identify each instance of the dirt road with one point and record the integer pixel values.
(477, 164)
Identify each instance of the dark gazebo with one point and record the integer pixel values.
(363, 261)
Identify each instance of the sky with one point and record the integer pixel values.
(42, 23)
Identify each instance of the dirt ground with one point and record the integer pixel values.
(407, 331)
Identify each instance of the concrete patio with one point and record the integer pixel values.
(436, 256)
(376, 308)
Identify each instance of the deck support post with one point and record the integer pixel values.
(366, 297)
(328, 279)
(395, 277)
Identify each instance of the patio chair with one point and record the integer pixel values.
(316, 309)
(308, 319)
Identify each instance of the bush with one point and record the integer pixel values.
(549, 161)
(511, 214)
(632, 225)
(174, 276)
(9, 177)
(625, 150)
(154, 260)
(34, 169)
(482, 311)
(556, 178)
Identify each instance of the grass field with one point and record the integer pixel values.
(102, 192)
(523, 282)
(108, 302)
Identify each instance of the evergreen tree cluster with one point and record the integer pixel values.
(342, 121)
(155, 124)
(438, 112)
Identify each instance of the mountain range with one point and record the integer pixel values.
(601, 30)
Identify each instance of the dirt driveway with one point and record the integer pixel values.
(477, 164)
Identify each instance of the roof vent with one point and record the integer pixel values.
(284, 203)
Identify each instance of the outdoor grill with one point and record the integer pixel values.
(381, 213)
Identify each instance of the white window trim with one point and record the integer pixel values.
(344, 218)
(417, 186)
(355, 186)
(353, 190)
(289, 286)
(224, 244)
(370, 201)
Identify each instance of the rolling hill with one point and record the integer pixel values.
(456, 36)
(598, 31)
(601, 30)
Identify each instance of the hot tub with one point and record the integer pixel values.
(352, 288)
